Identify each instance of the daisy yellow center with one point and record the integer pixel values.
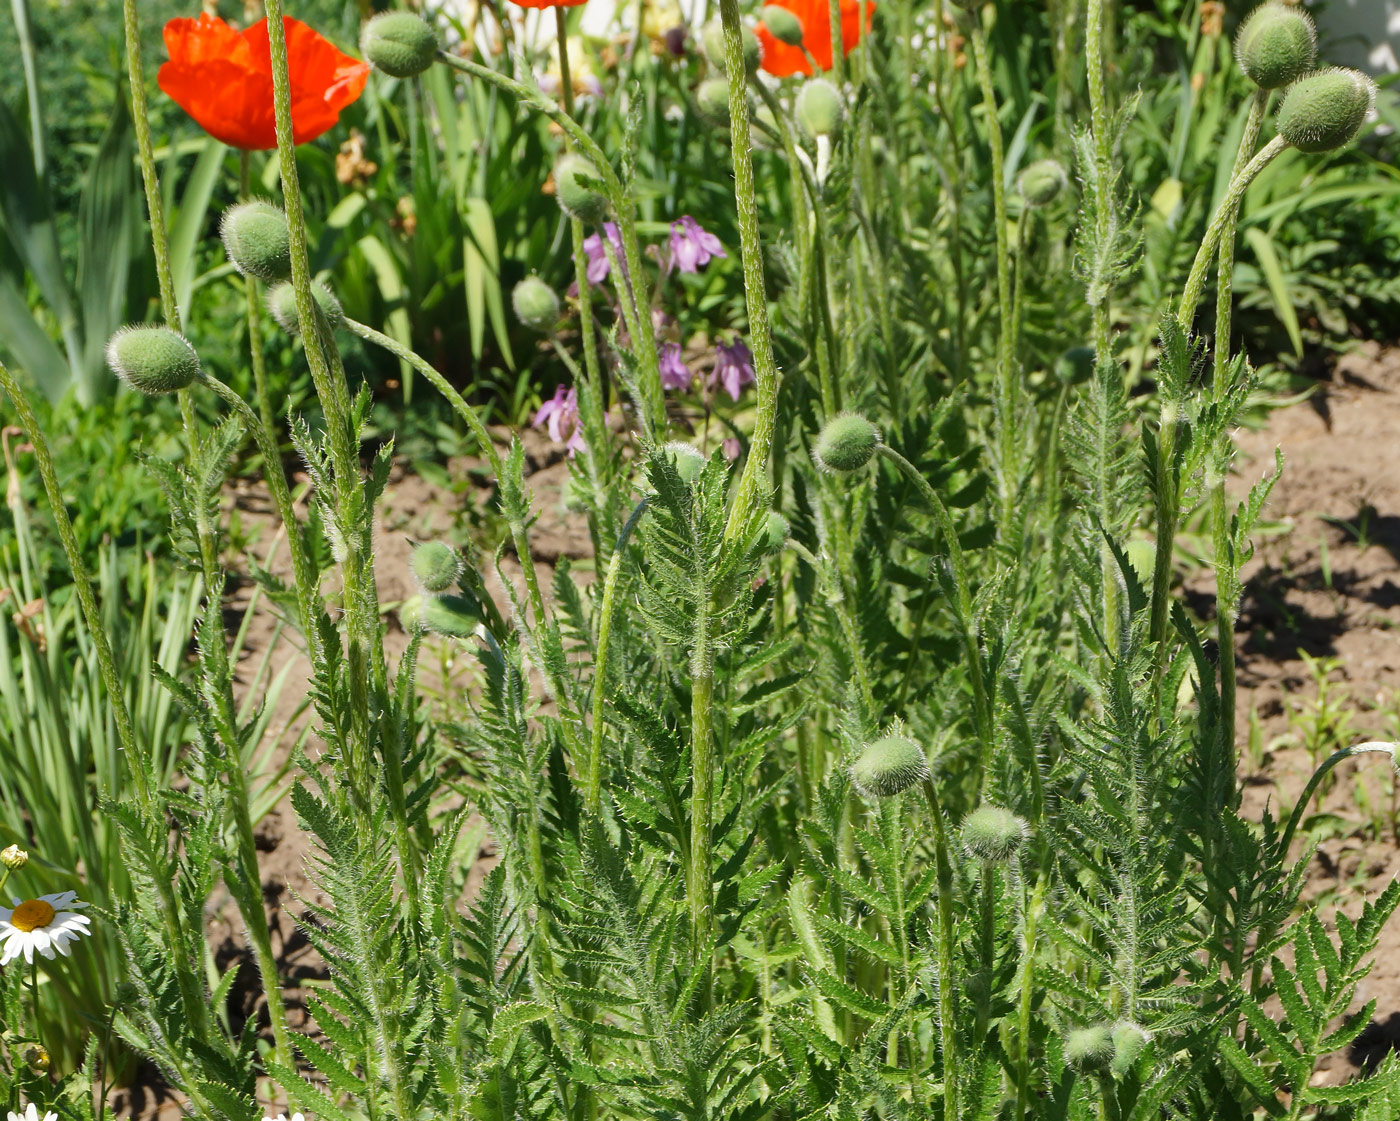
(32, 914)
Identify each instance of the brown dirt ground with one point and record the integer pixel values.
(1314, 587)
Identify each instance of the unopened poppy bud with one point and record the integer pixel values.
(1090, 1049)
(783, 25)
(575, 186)
(399, 43)
(125, 993)
(846, 444)
(712, 39)
(282, 302)
(775, 532)
(1326, 110)
(820, 107)
(257, 240)
(153, 360)
(712, 100)
(1129, 1042)
(436, 566)
(889, 766)
(1075, 365)
(1040, 183)
(1276, 45)
(36, 1057)
(690, 461)
(536, 304)
(450, 616)
(13, 857)
(992, 834)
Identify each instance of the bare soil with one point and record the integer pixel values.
(1325, 582)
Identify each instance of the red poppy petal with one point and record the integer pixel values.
(196, 41)
(226, 101)
(323, 78)
(548, 3)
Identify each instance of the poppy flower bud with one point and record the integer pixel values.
(13, 857)
(282, 302)
(776, 531)
(1040, 183)
(1326, 110)
(1075, 365)
(992, 834)
(1275, 45)
(889, 766)
(846, 444)
(574, 177)
(536, 304)
(783, 24)
(1129, 1042)
(712, 100)
(400, 44)
(449, 616)
(154, 360)
(690, 461)
(436, 566)
(1090, 1049)
(820, 108)
(36, 1057)
(712, 39)
(258, 242)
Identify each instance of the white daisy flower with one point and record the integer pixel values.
(279, 1117)
(30, 1114)
(45, 924)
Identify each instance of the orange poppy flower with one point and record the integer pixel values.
(549, 3)
(223, 79)
(783, 61)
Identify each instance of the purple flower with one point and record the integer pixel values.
(691, 246)
(598, 267)
(733, 368)
(732, 448)
(559, 415)
(675, 374)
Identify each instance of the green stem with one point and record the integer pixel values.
(193, 999)
(1006, 390)
(1103, 169)
(946, 955)
(1030, 920)
(986, 948)
(751, 495)
(255, 349)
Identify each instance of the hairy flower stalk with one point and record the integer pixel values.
(946, 952)
(1007, 453)
(1103, 166)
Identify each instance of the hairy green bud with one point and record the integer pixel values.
(400, 44)
(689, 461)
(536, 304)
(712, 100)
(1040, 183)
(776, 531)
(1129, 1042)
(820, 107)
(712, 39)
(1326, 110)
(782, 24)
(282, 303)
(257, 240)
(574, 177)
(1075, 365)
(450, 616)
(1276, 44)
(1091, 1048)
(153, 360)
(993, 834)
(436, 566)
(846, 444)
(889, 766)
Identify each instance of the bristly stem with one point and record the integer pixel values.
(1103, 168)
(1226, 607)
(1007, 452)
(946, 954)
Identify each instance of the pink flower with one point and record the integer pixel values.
(692, 248)
(559, 415)
(731, 448)
(598, 266)
(733, 368)
(675, 374)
